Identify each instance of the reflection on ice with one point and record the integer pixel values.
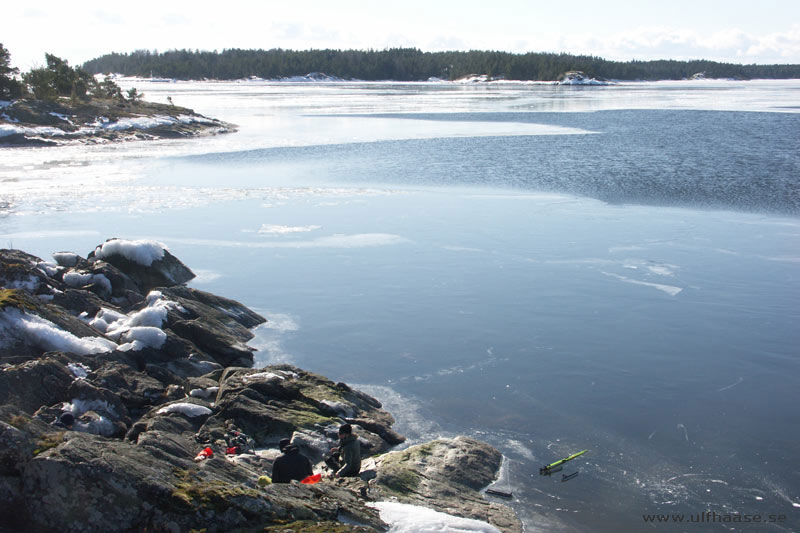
(669, 289)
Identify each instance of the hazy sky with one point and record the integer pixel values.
(739, 31)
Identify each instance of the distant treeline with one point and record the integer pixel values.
(410, 64)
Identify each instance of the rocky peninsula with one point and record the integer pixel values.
(154, 372)
(31, 122)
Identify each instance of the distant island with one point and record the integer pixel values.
(411, 64)
(59, 104)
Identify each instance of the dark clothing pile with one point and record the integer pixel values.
(291, 465)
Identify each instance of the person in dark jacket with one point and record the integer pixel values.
(346, 458)
(291, 464)
(66, 420)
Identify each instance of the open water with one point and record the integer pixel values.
(549, 269)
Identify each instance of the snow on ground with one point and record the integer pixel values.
(141, 337)
(31, 283)
(141, 329)
(20, 326)
(102, 123)
(8, 129)
(66, 259)
(310, 77)
(261, 375)
(405, 518)
(80, 279)
(204, 393)
(78, 407)
(144, 123)
(188, 409)
(153, 315)
(142, 252)
(78, 370)
(49, 269)
(61, 116)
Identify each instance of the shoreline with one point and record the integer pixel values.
(26, 123)
(153, 372)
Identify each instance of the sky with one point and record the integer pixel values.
(736, 31)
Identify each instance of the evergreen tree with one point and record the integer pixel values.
(10, 88)
(406, 64)
(57, 79)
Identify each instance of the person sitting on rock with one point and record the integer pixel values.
(345, 459)
(291, 464)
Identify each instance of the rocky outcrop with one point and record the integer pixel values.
(65, 121)
(576, 77)
(153, 372)
(447, 471)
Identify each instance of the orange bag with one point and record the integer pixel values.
(310, 480)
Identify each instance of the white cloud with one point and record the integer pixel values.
(763, 33)
(729, 45)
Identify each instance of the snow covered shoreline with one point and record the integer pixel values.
(38, 123)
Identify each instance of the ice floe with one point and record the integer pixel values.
(273, 229)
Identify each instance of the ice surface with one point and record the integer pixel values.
(669, 289)
(188, 409)
(405, 518)
(282, 230)
(142, 252)
(359, 240)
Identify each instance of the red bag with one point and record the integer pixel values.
(310, 480)
(205, 453)
(233, 450)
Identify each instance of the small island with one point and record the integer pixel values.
(58, 104)
(170, 428)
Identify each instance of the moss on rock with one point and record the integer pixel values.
(15, 298)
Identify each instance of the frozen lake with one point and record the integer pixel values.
(546, 268)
